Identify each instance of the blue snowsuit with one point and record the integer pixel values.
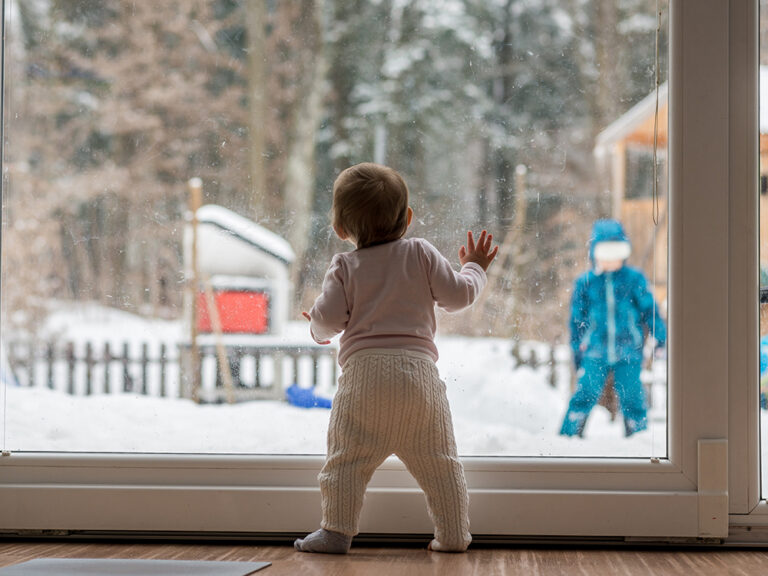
(611, 313)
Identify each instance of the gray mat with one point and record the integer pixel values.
(112, 567)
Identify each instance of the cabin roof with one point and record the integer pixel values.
(636, 125)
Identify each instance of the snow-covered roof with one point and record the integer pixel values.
(631, 120)
(247, 231)
(225, 282)
(635, 117)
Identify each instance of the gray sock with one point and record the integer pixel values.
(324, 541)
(436, 546)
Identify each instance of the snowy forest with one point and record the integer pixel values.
(489, 108)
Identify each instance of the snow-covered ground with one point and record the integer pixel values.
(497, 409)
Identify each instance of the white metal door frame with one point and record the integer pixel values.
(712, 343)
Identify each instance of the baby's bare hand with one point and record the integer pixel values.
(309, 319)
(480, 253)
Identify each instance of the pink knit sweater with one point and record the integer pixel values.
(384, 296)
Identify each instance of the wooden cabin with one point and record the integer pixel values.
(624, 154)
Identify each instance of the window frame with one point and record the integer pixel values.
(712, 375)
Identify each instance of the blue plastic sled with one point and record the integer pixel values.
(305, 398)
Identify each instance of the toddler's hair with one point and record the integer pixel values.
(370, 204)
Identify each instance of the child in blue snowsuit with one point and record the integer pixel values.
(612, 310)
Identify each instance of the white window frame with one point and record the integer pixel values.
(702, 490)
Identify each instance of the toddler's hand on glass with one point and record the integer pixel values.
(480, 253)
(309, 319)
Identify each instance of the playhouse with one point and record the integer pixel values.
(236, 308)
(246, 268)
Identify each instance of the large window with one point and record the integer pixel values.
(167, 174)
(123, 119)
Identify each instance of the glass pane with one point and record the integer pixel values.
(168, 175)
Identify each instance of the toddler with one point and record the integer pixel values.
(390, 399)
(612, 313)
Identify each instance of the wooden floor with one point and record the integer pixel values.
(416, 561)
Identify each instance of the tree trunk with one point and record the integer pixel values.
(504, 157)
(605, 103)
(255, 21)
(300, 167)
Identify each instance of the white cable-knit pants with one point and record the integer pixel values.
(393, 402)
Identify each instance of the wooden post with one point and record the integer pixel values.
(31, 356)
(195, 201)
(88, 369)
(50, 359)
(213, 313)
(552, 367)
(144, 366)
(515, 352)
(162, 360)
(127, 380)
(277, 385)
(13, 360)
(295, 364)
(235, 356)
(533, 359)
(70, 367)
(107, 366)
